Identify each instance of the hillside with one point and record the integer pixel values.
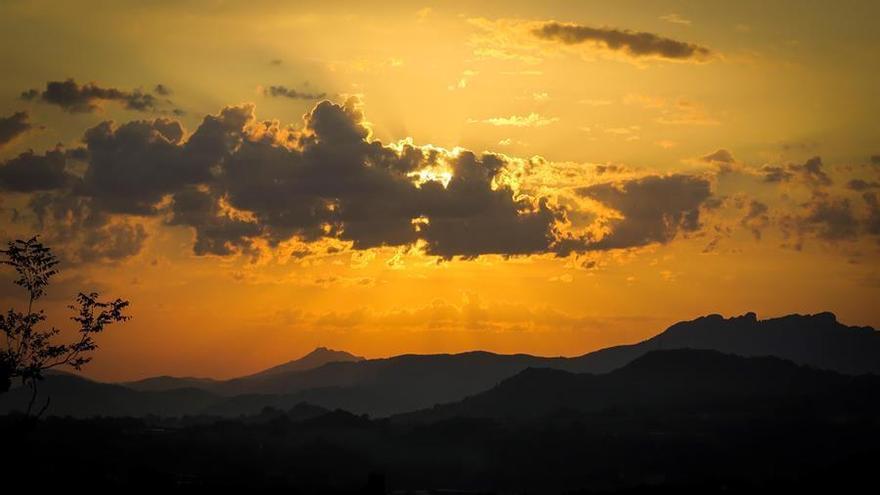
(662, 381)
(383, 387)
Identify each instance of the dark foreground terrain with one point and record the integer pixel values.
(681, 421)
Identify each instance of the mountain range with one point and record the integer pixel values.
(406, 383)
(668, 380)
(315, 359)
(679, 421)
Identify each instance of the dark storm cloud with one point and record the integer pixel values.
(862, 185)
(75, 98)
(824, 217)
(775, 173)
(133, 166)
(285, 92)
(13, 126)
(236, 181)
(722, 159)
(811, 172)
(634, 43)
(654, 209)
(240, 184)
(114, 241)
(469, 218)
(216, 232)
(832, 218)
(339, 183)
(82, 231)
(29, 172)
(720, 156)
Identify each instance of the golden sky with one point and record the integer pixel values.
(260, 178)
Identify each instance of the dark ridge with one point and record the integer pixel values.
(662, 380)
(411, 382)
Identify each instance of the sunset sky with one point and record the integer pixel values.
(260, 178)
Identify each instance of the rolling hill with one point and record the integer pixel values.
(72, 395)
(315, 359)
(665, 381)
(388, 386)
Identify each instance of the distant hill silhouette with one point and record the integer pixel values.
(165, 382)
(679, 379)
(678, 421)
(317, 358)
(407, 381)
(72, 395)
(384, 387)
(816, 340)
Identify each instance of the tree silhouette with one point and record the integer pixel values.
(29, 351)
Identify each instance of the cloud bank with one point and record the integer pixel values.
(242, 185)
(239, 183)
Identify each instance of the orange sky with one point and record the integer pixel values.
(260, 178)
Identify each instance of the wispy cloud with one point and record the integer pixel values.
(531, 120)
(294, 94)
(677, 111)
(464, 80)
(675, 19)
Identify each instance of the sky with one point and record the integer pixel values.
(260, 178)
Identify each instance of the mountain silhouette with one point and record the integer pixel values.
(401, 381)
(386, 386)
(816, 340)
(317, 358)
(671, 421)
(682, 379)
(389, 386)
(76, 396)
(166, 382)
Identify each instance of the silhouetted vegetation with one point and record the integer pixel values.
(29, 350)
(649, 421)
(671, 422)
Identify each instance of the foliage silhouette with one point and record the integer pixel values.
(30, 351)
(680, 421)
